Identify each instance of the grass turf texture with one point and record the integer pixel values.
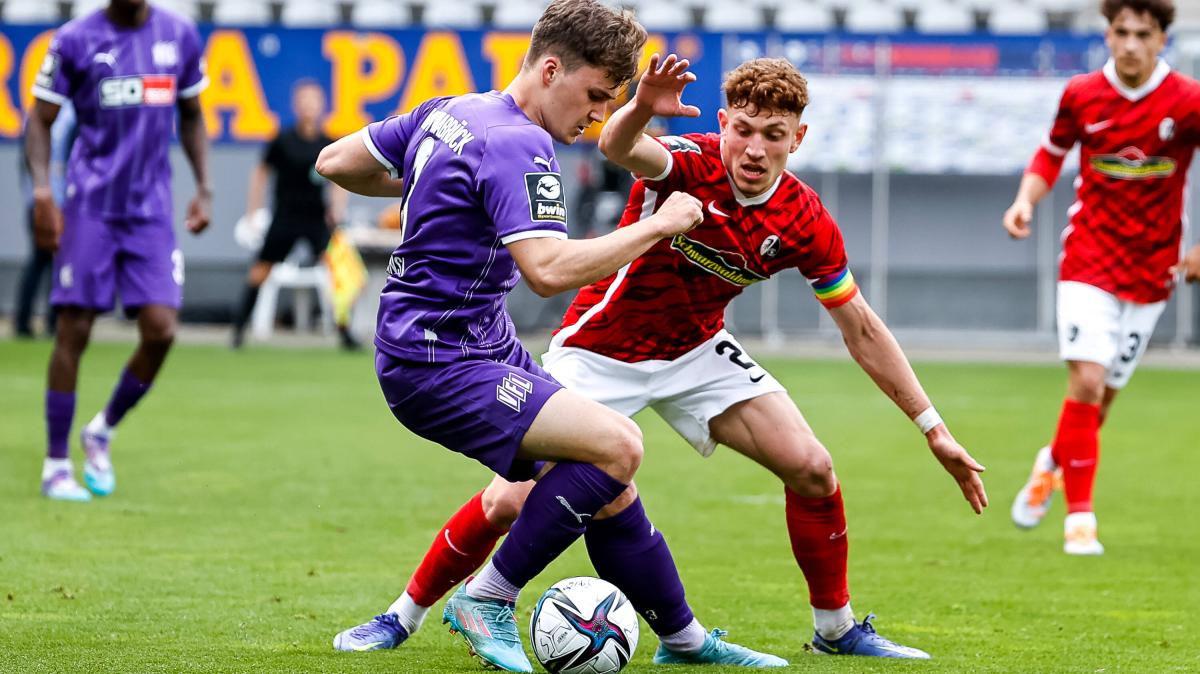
(267, 499)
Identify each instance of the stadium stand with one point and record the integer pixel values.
(380, 14)
(517, 14)
(874, 16)
(1017, 19)
(30, 11)
(804, 16)
(663, 15)
(733, 17)
(942, 17)
(242, 12)
(452, 15)
(309, 13)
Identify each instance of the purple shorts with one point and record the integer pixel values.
(478, 408)
(100, 258)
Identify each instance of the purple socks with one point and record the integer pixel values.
(128, 392)
(60, 410)
(630, 553)
(556, 513)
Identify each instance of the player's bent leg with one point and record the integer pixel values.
(70, 341)
(1033, 500)
(598, 451)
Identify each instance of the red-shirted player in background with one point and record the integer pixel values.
(652, 335)
(1137, 123)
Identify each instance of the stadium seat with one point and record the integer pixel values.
(803, 16)
(517, 14)
(1017, 19)
(309, 13)
(290, 275)
(452, 15)
(663, 15)
(874, 17)
(733, 17)
(188, 8)
(1058, 5)
(380, 14)
(944, 18)
(30, 11)
(242, 12)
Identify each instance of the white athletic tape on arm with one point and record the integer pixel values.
(928, 420)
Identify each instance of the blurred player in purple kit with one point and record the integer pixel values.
(483, 204)
(126, 68)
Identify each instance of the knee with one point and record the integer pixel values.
(159, 334)
(71, 335)
(502, 505)
(624, 445)
(810, 471)
(1087, 385)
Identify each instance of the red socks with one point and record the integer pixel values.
(1076, 449)
(817, 527)
(461, 547)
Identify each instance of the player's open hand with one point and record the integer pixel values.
(661, 87)
(680, 213)
(961, 467)
(1017, 218)
(1189, 266)
(47, 220)
(199, 212)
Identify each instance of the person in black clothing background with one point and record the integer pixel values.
(306, 206)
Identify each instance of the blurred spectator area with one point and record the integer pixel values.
(936, 17)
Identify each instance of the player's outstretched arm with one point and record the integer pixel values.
(1018, 216)
(349, 164)
(659, 92)
(551, 266)
(877, 352)
(195, 145)
(47, 218)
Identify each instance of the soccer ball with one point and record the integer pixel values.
(583, 626)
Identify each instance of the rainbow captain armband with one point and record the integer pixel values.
(835, 289)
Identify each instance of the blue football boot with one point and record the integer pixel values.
(490, 629)
(715, 651)
(382, 632)
(863, 640)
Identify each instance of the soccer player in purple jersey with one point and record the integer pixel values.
(483, 205)
(126, 68)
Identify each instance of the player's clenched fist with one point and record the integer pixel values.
(1016, 219)
(47, 220)
(680, 213)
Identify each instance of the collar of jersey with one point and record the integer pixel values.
(1156, 78)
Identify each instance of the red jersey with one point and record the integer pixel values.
(1135, 149)
(673, 298)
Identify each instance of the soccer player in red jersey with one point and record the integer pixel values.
(652, 335)
(1137, 123)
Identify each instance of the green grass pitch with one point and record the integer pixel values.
(267, 499)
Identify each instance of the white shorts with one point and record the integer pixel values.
(687, 392)
(1095, 326)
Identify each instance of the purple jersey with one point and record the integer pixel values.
(478, 175)
(124, 84)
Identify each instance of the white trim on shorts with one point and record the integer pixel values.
(688, 392)
(1095, 326)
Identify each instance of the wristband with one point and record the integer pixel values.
(928, 420)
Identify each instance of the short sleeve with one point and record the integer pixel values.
(823, 260)
(685, 157)
(387, 139)
(192, 77)
(57, 78)
(1065, 132)
(521, 186)
(273, 153)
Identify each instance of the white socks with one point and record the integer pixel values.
(687, 640)
(833, 624)
(1045, 460)
(489, 584)
(52, 466)
(99, 426)
(410, 613)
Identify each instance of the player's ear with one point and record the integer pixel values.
(800, 132)
(552, 69)
(722, 120)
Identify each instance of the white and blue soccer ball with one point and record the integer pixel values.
(583, 625)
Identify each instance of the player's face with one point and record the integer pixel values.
(755, 147)
(574, 99)
(309, 104)
(1135, 40)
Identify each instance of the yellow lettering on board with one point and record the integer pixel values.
(234, 87)
(366, 67)
(10, 117)
(31, 63)
(440, 69)
(506, 51)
